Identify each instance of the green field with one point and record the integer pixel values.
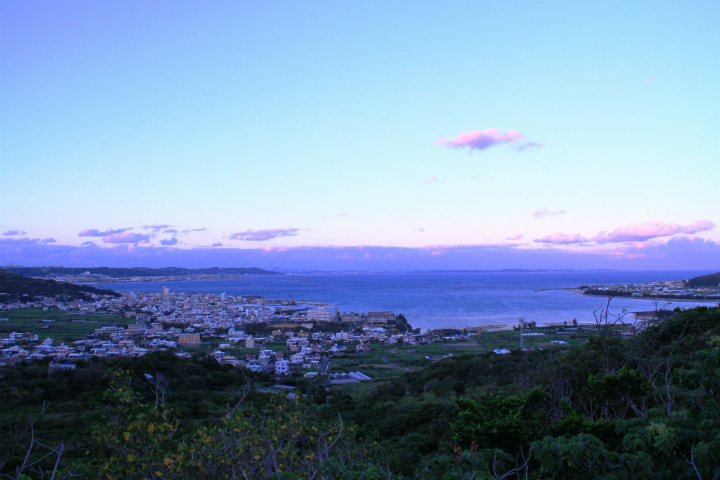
(63, 329)
(400, 359)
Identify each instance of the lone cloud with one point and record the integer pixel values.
(484, 139)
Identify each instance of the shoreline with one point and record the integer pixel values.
(690, 300)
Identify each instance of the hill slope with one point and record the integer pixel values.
(14, 286)
(712, 280)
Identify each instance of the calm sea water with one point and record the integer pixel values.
(437, 300)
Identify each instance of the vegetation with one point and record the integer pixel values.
(645, 407)
(117, 272)
(712, 280)
(14, 287)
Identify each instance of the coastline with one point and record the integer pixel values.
(630, 297)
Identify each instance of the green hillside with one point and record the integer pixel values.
(712, 280)
(14, 286)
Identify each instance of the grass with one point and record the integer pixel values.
(63, 329)
(415, 356)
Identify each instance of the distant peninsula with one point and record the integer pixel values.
(14, 287)
(699, 288)
(117, 272)
(96, 275)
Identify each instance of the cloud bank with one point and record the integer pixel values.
(680, 253)
(264, 235)
(14, 232)
(94, 232)
(562, 239)
(127, 237)
(484, 139)
(640, 232)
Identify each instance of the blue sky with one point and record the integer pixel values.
(312, 127)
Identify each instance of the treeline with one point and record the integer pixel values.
(641, 407)
(16, 287)
(116, 272)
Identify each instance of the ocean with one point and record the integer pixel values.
(441, 299)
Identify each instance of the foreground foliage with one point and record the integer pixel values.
(647, 407)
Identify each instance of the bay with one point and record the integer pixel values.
(442, 299)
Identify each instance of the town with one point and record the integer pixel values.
(668, 290)
(283, 337)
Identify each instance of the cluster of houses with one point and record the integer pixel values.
(668, 288)
(175, 321)
(161, 321)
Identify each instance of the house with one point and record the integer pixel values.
(282, 367)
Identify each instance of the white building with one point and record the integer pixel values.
(320, 315)
(282, 367)
(340, 337)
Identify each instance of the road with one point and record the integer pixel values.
(384, 359)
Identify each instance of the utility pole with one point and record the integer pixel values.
(522, 324)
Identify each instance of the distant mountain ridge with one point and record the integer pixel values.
(712, 280)
(117, 272)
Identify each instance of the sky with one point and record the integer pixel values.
(361, 135)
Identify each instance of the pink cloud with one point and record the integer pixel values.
(545, 212)
(264, 235)
(562, 239)
(639, 232)
(475, 177)
(93, 232)
(431, 179)
(649, 80)
(421, 229)
(126, 237)
(516, 237)
(344, 214)
(484, 139)
(15, 232)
